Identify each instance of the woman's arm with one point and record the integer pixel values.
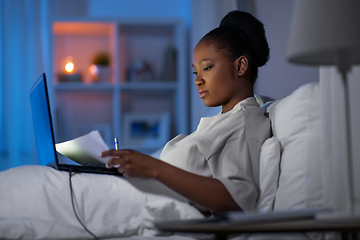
(207, 192)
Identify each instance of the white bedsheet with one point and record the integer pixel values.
(35, 203)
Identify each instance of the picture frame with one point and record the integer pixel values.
(146, 130)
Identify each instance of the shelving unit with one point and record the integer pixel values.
(143, 101)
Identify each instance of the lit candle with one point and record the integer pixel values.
(69, 65)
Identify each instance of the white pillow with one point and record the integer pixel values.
(296, 125)
(269, 174)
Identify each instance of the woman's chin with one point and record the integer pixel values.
(211, 104)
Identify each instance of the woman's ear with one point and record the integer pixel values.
(242, 64)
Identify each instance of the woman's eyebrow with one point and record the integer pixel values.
(202, 60)
(205, 60)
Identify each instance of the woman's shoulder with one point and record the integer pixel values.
(249, 120)
(257, 123)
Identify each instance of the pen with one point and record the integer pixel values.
(116, 143)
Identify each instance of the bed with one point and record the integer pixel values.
(290, 178)
(142, 202)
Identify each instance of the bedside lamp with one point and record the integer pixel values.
(327, 32)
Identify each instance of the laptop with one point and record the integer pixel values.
(45, 136)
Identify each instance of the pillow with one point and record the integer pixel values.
(269, 174)
(296, 125)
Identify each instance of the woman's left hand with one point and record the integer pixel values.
(133, 163)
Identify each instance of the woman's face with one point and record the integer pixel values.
(216, 77)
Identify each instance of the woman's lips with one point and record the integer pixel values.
(203, 93)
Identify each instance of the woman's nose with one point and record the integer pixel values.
(199, 81)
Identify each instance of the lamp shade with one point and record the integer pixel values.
(323, 29)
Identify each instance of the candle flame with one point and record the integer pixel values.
(69, 67)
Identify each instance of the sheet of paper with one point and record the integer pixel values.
(85, 149)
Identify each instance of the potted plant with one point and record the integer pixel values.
(100, 70)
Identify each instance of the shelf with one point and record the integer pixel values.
(82, 28)
(84, 87)
(149, 86)
(157, 86)
(147, 75)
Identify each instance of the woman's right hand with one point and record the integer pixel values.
(133, 164)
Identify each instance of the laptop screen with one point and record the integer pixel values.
(42, 121)
(45, 137)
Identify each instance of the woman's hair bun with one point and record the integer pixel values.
(253, 29)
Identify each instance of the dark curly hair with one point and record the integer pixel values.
(240, 33)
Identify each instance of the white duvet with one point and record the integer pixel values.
(35, 203)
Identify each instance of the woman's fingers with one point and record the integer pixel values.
(117, 161)
(118, 157)
(113, 152)
(131, 163)
(122, 169)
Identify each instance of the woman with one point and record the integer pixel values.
(216, 167)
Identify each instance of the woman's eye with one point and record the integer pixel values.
(195, 73)
(208, 68)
